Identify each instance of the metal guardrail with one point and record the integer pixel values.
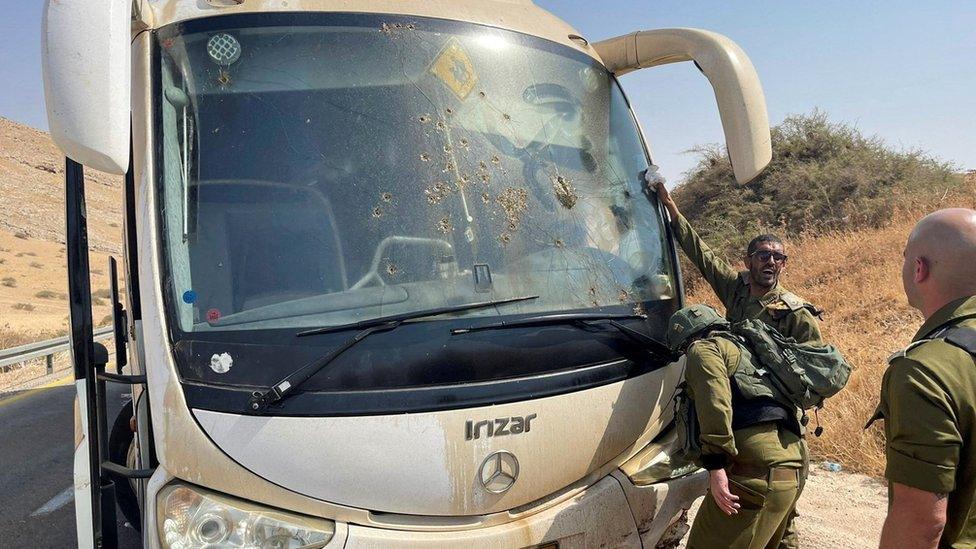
(44, 349)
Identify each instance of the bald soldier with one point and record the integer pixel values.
(928, 394)
(753, 293)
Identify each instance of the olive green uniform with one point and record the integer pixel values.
(766, 503)
(781, 309)
(928, 402)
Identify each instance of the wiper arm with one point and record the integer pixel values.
(647, 341)
(279, 391)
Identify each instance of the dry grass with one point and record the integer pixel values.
(856, 278)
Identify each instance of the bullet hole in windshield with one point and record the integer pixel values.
(495, 159)
(482, 94)
(592, 291)
(386, 197)
(558, 243)
(393, 30)
(506, 116)
(483, 165)
(639, 309)
(623, 296)
(392, 269)
(447, 148)
(424, 118)
(444, 226)
(505, 238)
(485, 177)
(449, 111)
(449, 166)
(425, 157)
(513, 201)
(486, 198)
(223, 79)
(436, 192)
(565, 192)
(377, 212)
(464, 143)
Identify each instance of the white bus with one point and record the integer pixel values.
(393, 275)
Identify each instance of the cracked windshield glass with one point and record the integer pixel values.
(320, 174)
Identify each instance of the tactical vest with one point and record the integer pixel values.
(753, 401)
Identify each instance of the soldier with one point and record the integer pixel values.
(750, 443)
(753, 293)
(928, 394)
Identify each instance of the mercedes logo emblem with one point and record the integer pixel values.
(499, 471)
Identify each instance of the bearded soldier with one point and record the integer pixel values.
(753, 293)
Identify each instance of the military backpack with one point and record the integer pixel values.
(799, 374)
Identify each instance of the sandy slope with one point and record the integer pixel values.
(33, 268)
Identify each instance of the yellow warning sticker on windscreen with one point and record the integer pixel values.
(454, 68)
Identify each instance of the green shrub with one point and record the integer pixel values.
(823, 176)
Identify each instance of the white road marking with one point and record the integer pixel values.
(56, 502)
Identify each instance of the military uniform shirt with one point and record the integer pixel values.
(710, 365)
(928, 402)
(778, 307)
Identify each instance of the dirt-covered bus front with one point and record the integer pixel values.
(395, 278)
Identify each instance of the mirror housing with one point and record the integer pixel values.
(741, 104)
(85, 65)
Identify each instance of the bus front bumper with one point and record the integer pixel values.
(613, 512)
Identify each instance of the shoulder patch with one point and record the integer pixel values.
(792, 301)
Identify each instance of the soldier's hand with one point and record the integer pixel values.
(665, 197)
(718, 486)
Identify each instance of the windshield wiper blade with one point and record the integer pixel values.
(414, 315)
(260, 401)
(612, 319)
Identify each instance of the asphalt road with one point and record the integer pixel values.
(36, 445)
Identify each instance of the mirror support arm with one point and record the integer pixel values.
(741, 103)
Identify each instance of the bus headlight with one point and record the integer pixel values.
(193, 517)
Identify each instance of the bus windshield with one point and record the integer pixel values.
(319, 170)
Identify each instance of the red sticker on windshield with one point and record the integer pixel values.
(213, 315)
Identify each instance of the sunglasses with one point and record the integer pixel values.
(764, 256)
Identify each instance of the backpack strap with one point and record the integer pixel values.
(958, 336)
(962, 337)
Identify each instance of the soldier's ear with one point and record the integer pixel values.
(921, 270)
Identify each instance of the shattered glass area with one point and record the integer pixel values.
(337, 173)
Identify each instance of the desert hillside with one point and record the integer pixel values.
(32, 255)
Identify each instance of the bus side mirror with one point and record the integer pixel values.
(739, 94)
(85, 64)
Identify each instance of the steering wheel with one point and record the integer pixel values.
(373, 276)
